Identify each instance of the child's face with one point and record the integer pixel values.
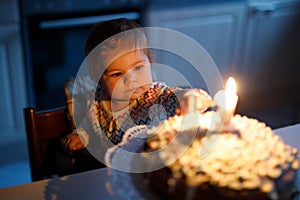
(128, 77)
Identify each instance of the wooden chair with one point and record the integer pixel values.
(44, 131)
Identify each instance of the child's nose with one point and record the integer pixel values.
(129, 77)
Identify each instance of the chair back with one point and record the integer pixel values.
(44, 130)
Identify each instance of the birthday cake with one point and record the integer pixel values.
(244, 159)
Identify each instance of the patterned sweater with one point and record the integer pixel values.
(158, 103)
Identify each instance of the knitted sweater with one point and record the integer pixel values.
(158, 103)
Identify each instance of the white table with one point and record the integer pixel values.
(290, 134)
(86, 186)
(94, 184)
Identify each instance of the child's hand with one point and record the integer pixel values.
(194, 101)
(72, 142)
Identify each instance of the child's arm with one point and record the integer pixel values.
(76, 140)
(195, 100)
(72, 142)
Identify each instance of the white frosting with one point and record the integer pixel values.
(246, 156)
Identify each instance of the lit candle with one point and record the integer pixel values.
(226, 100)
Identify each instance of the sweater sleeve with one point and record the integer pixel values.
(178, 99)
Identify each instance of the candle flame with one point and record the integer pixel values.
(230, 97)
(231, 86)
(226, 100)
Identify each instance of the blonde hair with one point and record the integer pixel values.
(124, 36)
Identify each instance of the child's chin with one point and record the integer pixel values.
(135, 96)
(137, 93)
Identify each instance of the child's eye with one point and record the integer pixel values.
(117, 74)
(138, 67)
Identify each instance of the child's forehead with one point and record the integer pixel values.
(121, 44)
(127, 60)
